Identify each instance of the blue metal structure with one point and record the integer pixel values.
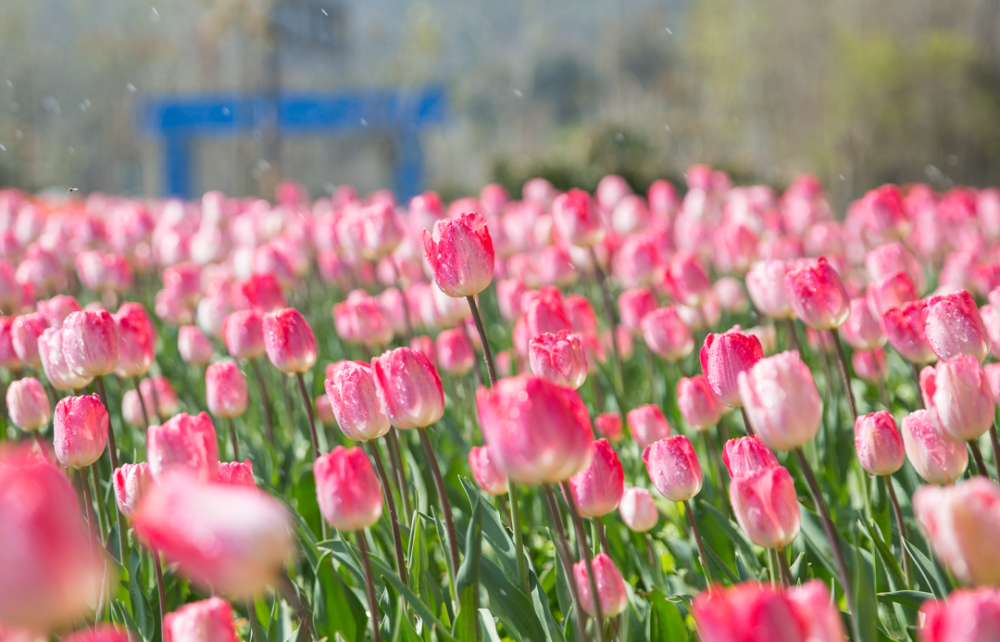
(178, 120)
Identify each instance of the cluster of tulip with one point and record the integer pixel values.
(797, 529)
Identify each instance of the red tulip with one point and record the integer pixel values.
(24, 334)
(673, 468)
(57, 371)
(869, 365)
(243, 334)
(958, 394)
(746, 456)
(697, 402)
(634, 305)
(184, 442)
(226, 390)
(460, 255)
(905, 331)
(964, 616)
(891, 292)
(131, 482)
(935, 458)
(879, 445)
(960, 522)
(953, 326)
(91, 345)
(80, 430)
(454, 354)
(781, 400)
(863, 328)
(609, 426)
(724, 357)
(409, 388)
(509, 416)
(577, 219)
(28, 405)
(638, 510)
(486, 472)
(353, 397)
(766, 507)
(210, 620)
(687, 280)
(666, 335)
(817, 294)
(560, 358)
(137, 337)
(289, 341)
(766, 286)
(581, 315)
(611, 589)
(237, 473)
(193, 346)
(647, 425)
(56, 309)
(348, 491)
(598, 488)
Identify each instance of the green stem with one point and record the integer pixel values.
(845, 378)
(370, 585)
(588, 563)
(397, 541)
(563, 548)
(697, 540)
(264, 400)
(232, 438)
(307, 401)
(491, 369)
(449, 521)
(901, 527)
(515, 520)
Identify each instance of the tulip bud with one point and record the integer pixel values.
(697, 402)
(609, 426)
(486, 472)
(598, 488)
(409, 388)
(237, 473)
(56, 309)
(610, 587)
(892, 258)
(57, 371)
(965, 616)
(687, 279)
(184, 442)
(460, 255)
(560, 358)
(543, 312)
(210, 620)
(581, 315)
(781, 400)
(817, 294)
(289, 341)
(633, 306)
(348, 491)
(673, 468)
(647, 425)
(91, 345)
(576, 218)
(953, 326)
(243, 334)
(638, 261)
(766, 507)
(766, 286)
(960, 522)
(509, 416)
(353, 397)
(361, 319)
(193, 346)
(879, 446)
(454, 354)
(80, 430)
(724, 357)
(958, 394)
(746, 456)
(891, 292)
(862, 330)
(937, 459)
(905, 331)
(638, 510)
(137, 338)
(163, 402)
(24, 333)
(226, 390)
(28, 405)
(666, 335)
(870, 365)
(260, 291)
(131, 483)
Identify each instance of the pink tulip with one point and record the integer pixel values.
(960, 522)
(724, 357)
(237, 473)
(91, 345)
(746, 456)
(878, 443)
(953, 326)
(609, 426)
(766, 286)
(131, 483)
(543, 312)
(261, 292)
(370, 232)
(993, 376)
(509, 416)
(409, 388)
(731, 295)
(509, 295)
(891, 292)
(687, 280)
(486, 472)
(361, 319)
(101, 633)
(354, 399)
(817, 294)
(781, 400)
(905, 331)
(243, 334)
(697, 402)
(958, 394)
(870, 365)
(425, 345)
(577, 219)
(766, 507)
(638, 262)
(193, 346)
(24, 334)
(937, 459)
(56, 309)
(598, 488)
(137, 337)
(454, 354)
(965, 616)
(626, 345)
(581, 315)
(184, 442)
(57, 371)
(460, 255)
(647, 425)
(28, 405)
(554, 266)
(634, 305)
(673, 468)
(611, 589)
(666, 335)
(892, 258)
(638, 510)
(164, 402)
(8, 356)
(349, 494)
(232, 539)
(80, 430)
(210, 620)
(226, 390)
(560, 358)
(863, 328)
(991, 320)
(289, 341)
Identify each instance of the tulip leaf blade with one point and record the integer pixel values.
(885, 554)
(665, 621)
(909, 599)
(928, 571)
(339, 610)
(467, 580)
(733, 533)
(865, 605)
(421, 609)
(494, 531)
(718, 564)
(489, 627)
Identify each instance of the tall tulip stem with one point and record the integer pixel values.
(370, 584)
(113, 453)
(602, 536)
(89, 509)
(307, 401)
(449, 521)
(161, 592)
(793, 337)
(397, 541)
(977, 454)
(746, 422)
(290, 593)
(995, 443)
(845, 378)
(916, 381)
(697, 540)
(786, 573)
(256, 634)
(901, 527)
(581, 534)
(609, 311)
(515, 522)
(396, 460)
(264, 400)
(232, 438)
(491, 369)
(563, 548)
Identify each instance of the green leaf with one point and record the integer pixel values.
(884, 553)
(733, 533)
(495, 532)
(388, 575)
(467, 580)
(142, 610)
(489, 626)
(928, 571)
(910, 599)
(866, 607)
(719, 565)
(665, 621)
(338, 610)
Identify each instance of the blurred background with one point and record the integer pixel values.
(860, 92)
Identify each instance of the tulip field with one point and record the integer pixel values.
(728, 414)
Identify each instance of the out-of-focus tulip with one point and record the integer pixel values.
(905, 331)
(958, 394)
(102, 633)
(212, 312)
(260, 291)
(666, 334)
(193, 346)
(609, 426)
(993, 376)
(953, 326)
(424, 345)
(554, 266)
(724, 357)
(673, 468)
(184, 442)
(697, 402)
(509, 416)
(460, 254)
(960, 522)
(454, 354)
(354, 399)
(766, 286)
(243, 334)
(767, 336)
(509, 295)
(409, 388)
(862, 330)
(869, 365)
(626, 346)
(324, 411)
(891, 292)
(560, 358)
(237, 473)
(991, 320)
(638, 510)
(581, 315)
(8, 356)
(137, 338)
(964, 616)
(210, 620)
(577, 219)
(54, 363)
(781, 400)
(348, 491)
(598, 488)
(159, 396)
(486, 472)
(746, 456)
(817, 295)
(766, 507)
(634, 305)
(24, 333)
(56, 309)
(543, 312)
(228, 538)
(80, 430)
(610, 587)
(647, 425)
(687, 280)
(28, 405)
(638, 261)
(892, 258)
(226, 390)
(937, 459)
(289, 341)
(371, 232)
(361, 319)
(91, 345)
(131, 483)
(730, 293)
(879, 445)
